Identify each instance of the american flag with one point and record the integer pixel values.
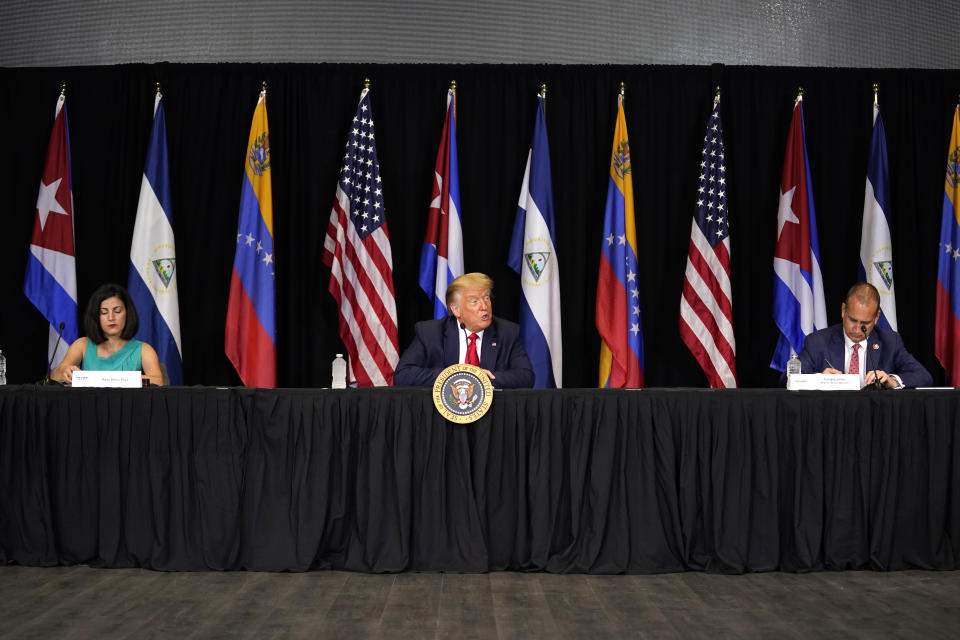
(706, 305)
(357, 250)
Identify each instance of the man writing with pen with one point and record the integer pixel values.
(858, 346)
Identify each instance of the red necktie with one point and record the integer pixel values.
(855, 359)
(472, 357)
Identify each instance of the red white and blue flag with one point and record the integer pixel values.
(799, 307)
(51, 275)
(441, 259)
(947, 334)
(251, 335)
(357, 250)
(618, 294)
(706, 304)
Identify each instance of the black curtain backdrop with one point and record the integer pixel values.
(209, 108)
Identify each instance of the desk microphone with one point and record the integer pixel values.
(873, 363)
(46, 378)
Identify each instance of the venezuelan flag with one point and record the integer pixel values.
(618, 296)
(251, 336)
(947, 334)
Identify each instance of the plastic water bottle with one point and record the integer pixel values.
(339, 373)
(3, 368)
(793, 365)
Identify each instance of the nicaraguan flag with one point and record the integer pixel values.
(441, 259)
(534, 256)
(153, 255)
(876, 248)
(799, 307)
(51, 275)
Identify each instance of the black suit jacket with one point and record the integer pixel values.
(436, 346)
(884, 346)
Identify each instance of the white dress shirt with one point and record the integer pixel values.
(464, 334)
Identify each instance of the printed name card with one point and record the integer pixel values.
(126, 379)
(823, 382)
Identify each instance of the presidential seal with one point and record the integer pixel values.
(462, 393)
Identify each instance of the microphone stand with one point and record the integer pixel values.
(47, 379)
(877, 385)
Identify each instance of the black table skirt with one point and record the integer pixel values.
(578, 480)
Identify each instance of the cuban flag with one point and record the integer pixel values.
(618, 295)
(153, 256)
(51, 274)
(799, 307)
(251, 334)
(534, 256)
(947, 333)
(441, 259)
(876, 248)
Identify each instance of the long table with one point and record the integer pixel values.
(574, 480)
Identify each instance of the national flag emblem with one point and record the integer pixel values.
(537, 263)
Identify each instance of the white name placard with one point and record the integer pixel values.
(823, 382)
(127, 379)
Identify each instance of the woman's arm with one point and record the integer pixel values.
(151, 364)
(71, 362)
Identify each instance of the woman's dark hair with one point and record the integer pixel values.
(91, 319)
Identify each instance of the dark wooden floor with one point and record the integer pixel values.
(79, 602)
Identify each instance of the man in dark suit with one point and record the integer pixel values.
(857, 345)
(470, 334)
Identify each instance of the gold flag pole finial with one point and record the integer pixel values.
(453, 86)
(716, 95)
(623, 89)
(263, 89)
(63, 89)
(366, 83)
(543, 90)
(158, 88)
(799, 94)
(876, 95)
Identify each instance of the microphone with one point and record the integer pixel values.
(873, 363)
(466, 338)
(46, 378)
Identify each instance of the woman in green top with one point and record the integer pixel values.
(110, 321)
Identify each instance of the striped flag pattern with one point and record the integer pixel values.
(618, 295)
(799, 307)
(357, 250)
(153, 257)
(534, 256)
(51, 275)
(706, 304)
(441, 259)
(876, 246)
(251, 334)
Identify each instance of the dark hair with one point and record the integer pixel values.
(91, 319)
(865, 293)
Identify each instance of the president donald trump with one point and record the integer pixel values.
(471, 334)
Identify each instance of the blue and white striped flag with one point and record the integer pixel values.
(876, 248)
(534, 256)
(153, 261)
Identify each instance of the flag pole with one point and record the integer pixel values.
(263, 89)
(63, 89)
(876, 92)
(158, 88)
(799, 96)
(716, 96)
